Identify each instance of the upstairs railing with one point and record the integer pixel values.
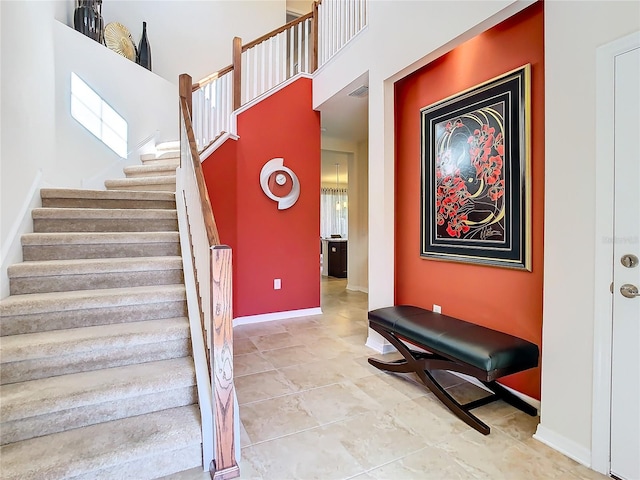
(213, 284)
(338, 22)
(300, 46)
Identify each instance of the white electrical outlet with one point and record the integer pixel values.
(277, 284)
(437, 308)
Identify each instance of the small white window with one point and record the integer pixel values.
(94, 114)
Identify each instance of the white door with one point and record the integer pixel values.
(625, 373)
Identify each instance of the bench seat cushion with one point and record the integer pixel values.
(479, 346)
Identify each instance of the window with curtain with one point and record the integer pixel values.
(333, 212)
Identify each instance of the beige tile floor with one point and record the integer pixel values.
(313, 408)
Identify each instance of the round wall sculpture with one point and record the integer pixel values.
(279, 183)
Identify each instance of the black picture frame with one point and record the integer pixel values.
(475, 174)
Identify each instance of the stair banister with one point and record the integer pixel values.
(212, 268)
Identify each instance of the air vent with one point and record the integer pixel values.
(361, 91)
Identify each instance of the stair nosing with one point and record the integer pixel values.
(97, 238)
(169, 429)
(40, 303)
(106, 194)
(80, 392)
(93, 266)
(84, 339)
(76, 213)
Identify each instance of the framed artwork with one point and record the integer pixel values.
(475, 175)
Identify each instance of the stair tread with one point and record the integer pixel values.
(96, 213)
(29, 346)
(83, 238)
(150, 180)
(64, 392)
(165, 167)
(164, 155)
(170, 145)
(93, 265)
(101, 446)
(106, 194)
(31, 303)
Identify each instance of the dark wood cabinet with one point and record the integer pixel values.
(337, 253)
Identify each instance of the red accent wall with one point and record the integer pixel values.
(269, 243)
(220, 175)
(499, 298)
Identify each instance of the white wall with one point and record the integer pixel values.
(570, 138)
(358, 259)
(193, 37)
(146, 101)
(300, 7)
(28, 110)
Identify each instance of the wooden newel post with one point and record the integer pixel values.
(224, 465)
(184, 86)
(237, 73)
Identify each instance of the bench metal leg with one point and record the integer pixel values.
(423, 363)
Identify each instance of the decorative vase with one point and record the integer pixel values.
(144, 50)
(87, 19)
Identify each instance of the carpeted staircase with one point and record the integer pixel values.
(97, 378)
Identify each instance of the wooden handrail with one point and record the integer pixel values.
(210, 78)
(275, 32)
(207, 211)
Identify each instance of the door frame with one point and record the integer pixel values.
(604, 223)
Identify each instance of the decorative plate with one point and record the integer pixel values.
(118, 38)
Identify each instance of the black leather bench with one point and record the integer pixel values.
(457, 346)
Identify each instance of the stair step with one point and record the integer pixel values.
(47, 220)
(138, 171)
(141, 447)
(158, 183)
(173, 145)
(78, 245)
(55, 404)
(39, 355)
(60, 197)
(90, 274)
(39, 312)
(162, 154)
(170, 159)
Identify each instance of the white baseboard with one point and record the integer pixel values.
(268, 317)
(382, 347)
(356, 288)
(12, 247)
(563, 445)
(525, 398)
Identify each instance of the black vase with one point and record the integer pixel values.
(144, 50)
(87, 19)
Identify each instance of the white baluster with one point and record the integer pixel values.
(254, 77)
(276, 67)
(305, 29)
(291, 34)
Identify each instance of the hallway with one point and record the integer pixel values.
(312, 407)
